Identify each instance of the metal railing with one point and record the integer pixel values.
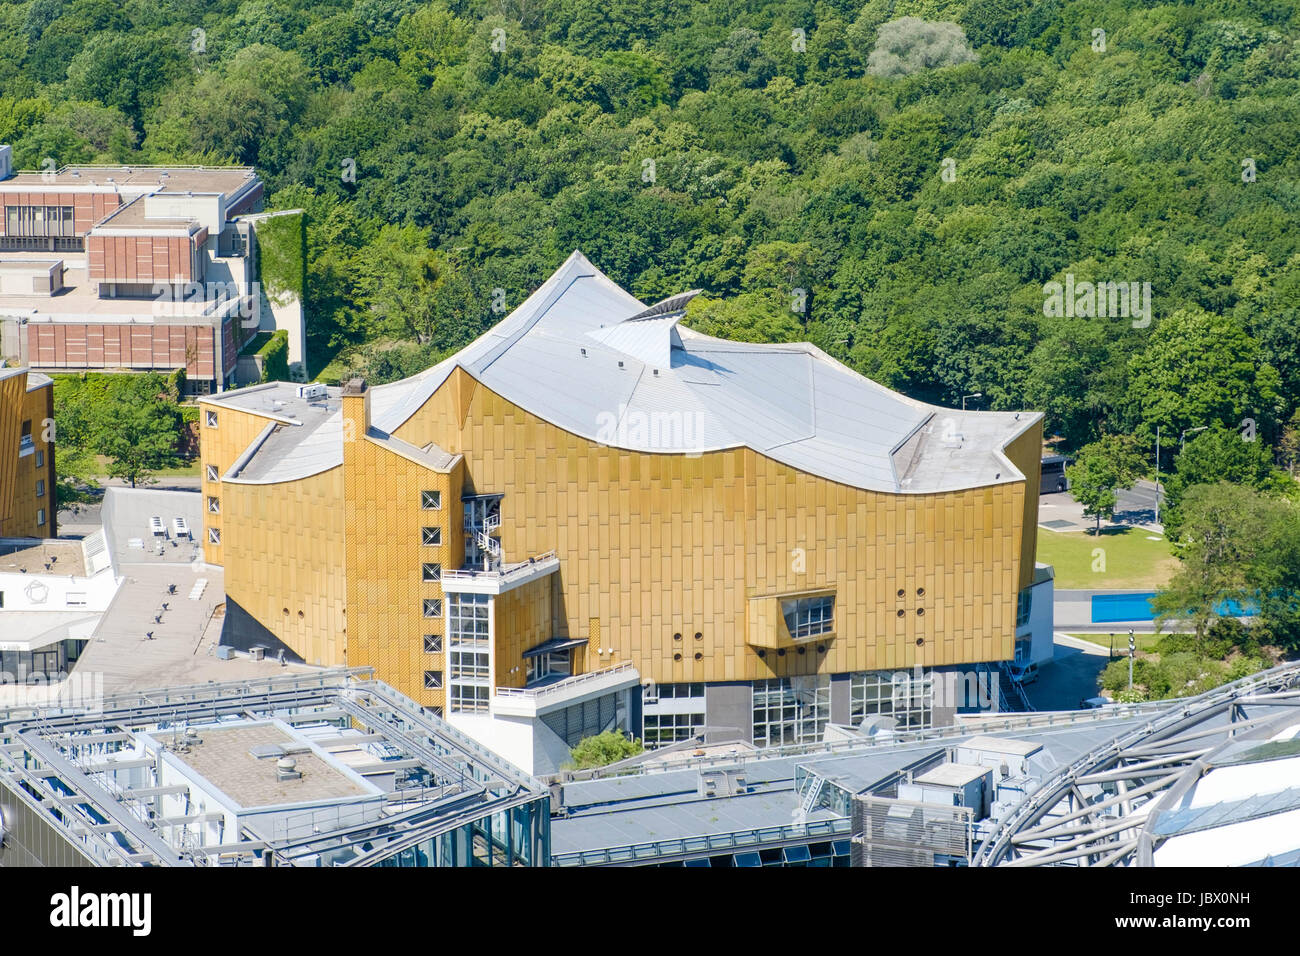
(505, 574)
(535, 693)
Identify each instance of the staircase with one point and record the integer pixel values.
(1012, 697)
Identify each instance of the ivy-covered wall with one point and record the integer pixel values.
(275, 357)
(282, 255)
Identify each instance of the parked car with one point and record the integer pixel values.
(1024, 673)
(1095, 703)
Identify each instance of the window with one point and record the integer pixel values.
(905, 697)
(554, 664)
(39, 221)
(432, 607)
(210, 419)
(40, 489)
(809, 617)
(1023, 605)
(469, 698)
(433, 643)
(431, 536)
(467, 619)
(470, 665)
(213, 473)
(214, 536)
(791, 710)
(431, 500)
(663, 729)
(40, 459)
(214, 505)
(25, 445)
(40, 516)
(432, 679)
(431, 572)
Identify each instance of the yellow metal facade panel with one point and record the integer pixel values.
(26, 489)
(654, 549)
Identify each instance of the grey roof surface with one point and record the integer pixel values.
(621, 811)
(576, 354)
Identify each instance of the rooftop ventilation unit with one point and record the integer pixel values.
(286, 768)
(312, 391)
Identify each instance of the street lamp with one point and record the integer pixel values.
(974, 395)
(1182, 439)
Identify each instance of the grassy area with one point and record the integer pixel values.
(183, 470)
(1146, 643)
(1127, 558)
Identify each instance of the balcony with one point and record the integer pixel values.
(531, 701)
(511, 576)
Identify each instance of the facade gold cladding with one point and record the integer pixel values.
(221, 445)
(1026, 453)
(283, 551)
(27, 492)
(657, 546)
(522, 619)
(653, 549)
(384, 517)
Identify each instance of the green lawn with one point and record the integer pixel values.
(1127, 559)
(190, 470)
(1146, 643)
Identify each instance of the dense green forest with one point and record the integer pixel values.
(899, 193)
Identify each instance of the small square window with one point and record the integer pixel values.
(40, 516)
(40, 489)
(214, 505)
(431, 572)
(433, 607)
(434, 711)
(432, 679)
(214, 536)
(40, 459)
(431, 500)
(433, 643)
(431, 536)
(210, 419)
(214, 473)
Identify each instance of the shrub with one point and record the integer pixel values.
(602, 749)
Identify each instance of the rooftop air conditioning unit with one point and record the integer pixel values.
(312, 391)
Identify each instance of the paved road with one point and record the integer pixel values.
(1134, 507)
(1071, 676)
(1137, 505)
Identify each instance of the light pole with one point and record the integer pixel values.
(1132, 646)
(973, 395)
(1157, 521)
(1182, 439)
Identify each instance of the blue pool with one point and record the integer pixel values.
(1111, 608)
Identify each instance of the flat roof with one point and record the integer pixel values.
(31, 555)
(224, 757)
(952, 774)
(132, 215)
(79, 301)
(141, 179)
